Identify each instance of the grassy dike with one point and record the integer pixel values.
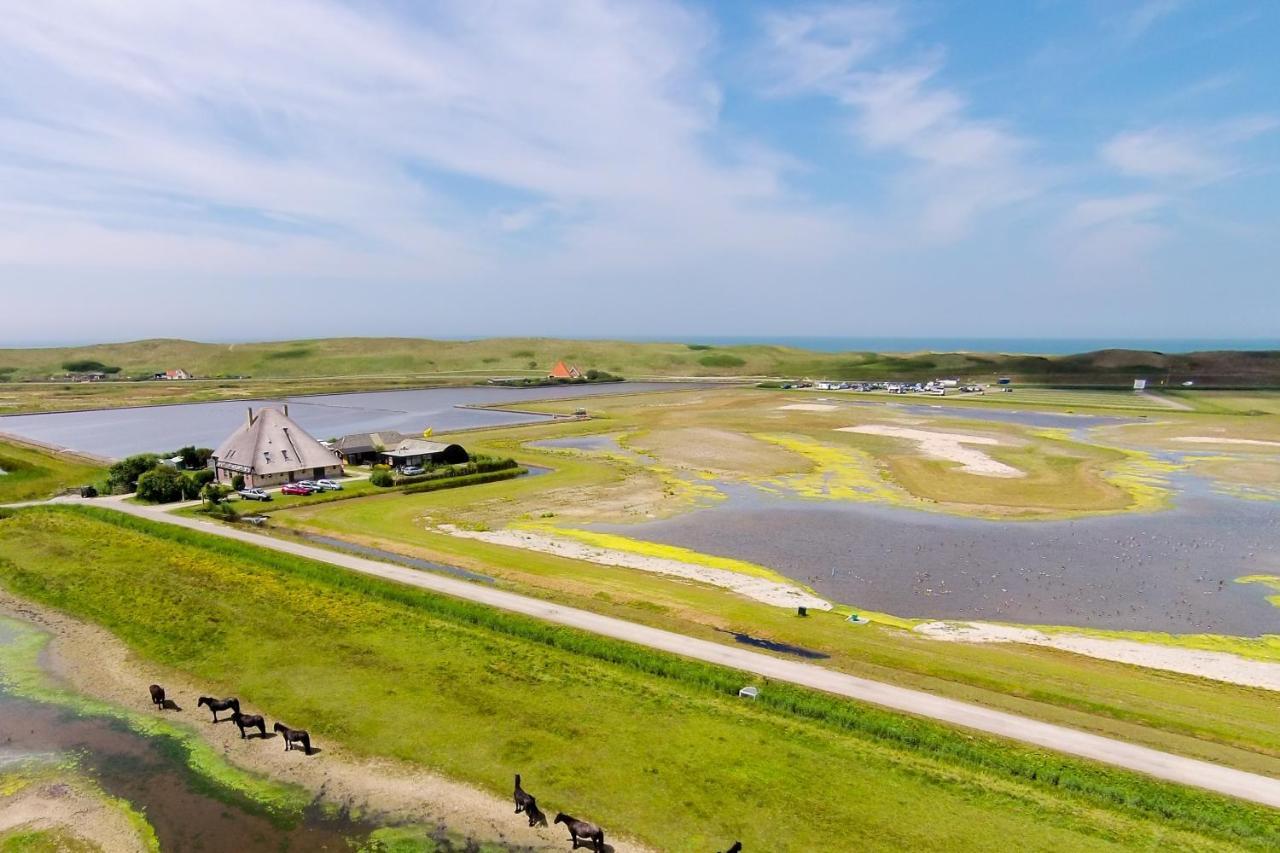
(648, 744)
(34, 474)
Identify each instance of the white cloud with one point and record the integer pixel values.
(1200, 154)
(959, 167)
(1146, 14)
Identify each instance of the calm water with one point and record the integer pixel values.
(1167, 571)
(120, 432)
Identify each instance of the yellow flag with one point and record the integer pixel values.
(426, 433)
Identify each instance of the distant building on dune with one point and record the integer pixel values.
(172, 374)
(270, 449)
(564, 371)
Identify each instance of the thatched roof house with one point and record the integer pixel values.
(271, 449)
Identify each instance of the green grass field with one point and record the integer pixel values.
(648, 744)
(34, 474)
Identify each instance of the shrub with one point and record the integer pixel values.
(122, 477)
(699, 346)
(382, 479)
(194, 457)
(212, 493)
(467, 480)
(162, 485)
(88, 365)
(721, 359)
(237, 482)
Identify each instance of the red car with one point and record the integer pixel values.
(295, 489)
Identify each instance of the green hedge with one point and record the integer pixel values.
(466, 480)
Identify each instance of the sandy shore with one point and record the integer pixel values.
(1219, 666)
(62, 806)
(96, 664)
(759, 589)
(948, 446)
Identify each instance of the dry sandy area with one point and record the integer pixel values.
(60, 806)
(1209, 439)
(1219, 666)
(758, 589)
(948, 446)
(808, 407)
(717, 450)
(94, 663)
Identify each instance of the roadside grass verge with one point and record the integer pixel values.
(33, 474)
(649, 744)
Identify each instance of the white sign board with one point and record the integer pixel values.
(1139, 384)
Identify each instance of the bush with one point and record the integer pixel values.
(721, 359)
(212, 493)
(200, 478)
(237, 482)
(88, 365)
(477, 465)
(122, 477)
(466, 480)
(699, 346)
(162, 485)
(194, 457)
(382, 479)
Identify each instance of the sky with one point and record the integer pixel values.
(238, 170)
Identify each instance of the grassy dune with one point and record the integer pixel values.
(34, 474)
(648, 744)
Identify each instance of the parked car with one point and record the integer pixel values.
(310, 484)
(296, 489)
(412, 470)
(328, 485)
(253, 495)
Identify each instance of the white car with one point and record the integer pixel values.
(412, 470)
(253, 495)
(328, 486)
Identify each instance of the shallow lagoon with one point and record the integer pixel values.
(120, 432)
(1168, 571)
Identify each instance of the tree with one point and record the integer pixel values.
(162, 485)
(122, 477)
(199, 478)
(212, 494)
(237, 482)
(194, 457)
(382, 479)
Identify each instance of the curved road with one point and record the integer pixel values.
(1173, 768)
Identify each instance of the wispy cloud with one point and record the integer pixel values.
(961, 166)
(1201, 154)
(1147, 14)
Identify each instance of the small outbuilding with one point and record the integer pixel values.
(564, 371)
(367, 448)
(270, 449)
(420, 451)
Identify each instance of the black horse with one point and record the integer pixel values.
(536, 817)
(216, 705)
(583, 833)
(157, 696)
(292, 736)
(522, 798)
(249, 721)
(735, 848)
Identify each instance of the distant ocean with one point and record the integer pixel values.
(1040, 346)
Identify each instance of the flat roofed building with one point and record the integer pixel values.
(419, 451)
(271, 449)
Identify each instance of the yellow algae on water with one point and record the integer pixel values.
(1272, 581)
(1145, 478)
(839, 473)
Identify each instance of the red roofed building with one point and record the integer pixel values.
(564, 371)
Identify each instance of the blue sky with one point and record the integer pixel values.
(241, 170)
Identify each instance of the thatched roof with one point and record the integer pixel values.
(272, 443)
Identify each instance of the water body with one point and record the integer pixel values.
(120, 432)
(1047, 420)
(1167, 571)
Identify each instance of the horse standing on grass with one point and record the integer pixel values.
(583, 833)
(157, 696)
(735, 848)
(522, 797)
(249, 721)
(216, 705)
(292, 736)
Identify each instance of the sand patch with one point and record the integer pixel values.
(1209, 439)
(808, 407)
(1219, 666)
(61, 806)
(96, 664)
(948, 446)
(757, 589)
(717, 451)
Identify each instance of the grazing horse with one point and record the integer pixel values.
(536, 817)
(292, 736)
(583, 833)
(736, 848)
(157, 696)
(249, 721)
(216, 705)
(521, 796)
